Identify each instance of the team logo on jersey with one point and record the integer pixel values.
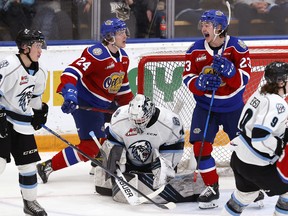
(141, 150)
(280, 108)
(114, 82)
(112, 65)
(97, 51)
(132, 132)
(255, 102)
(209, 70)
(4, 63)
(25, 97)
(196, 130)
(242, 44)
(176, 121)
(203, 57)
(24, 80)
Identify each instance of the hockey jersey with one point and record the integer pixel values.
(99, 77)
(20, 92)
(164, 135)
(199, 58)
(263, 118)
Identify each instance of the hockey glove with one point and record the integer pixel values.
(162, 170)
(116, 159)
(3, 124)
(280, 146)
(208, 82)
(40, 117)
(223, 66)
(69, 93)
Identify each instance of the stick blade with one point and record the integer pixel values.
(170, 205)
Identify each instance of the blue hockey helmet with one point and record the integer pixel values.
(216, 17)
(111, 26)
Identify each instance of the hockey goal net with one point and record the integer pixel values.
(160, 78)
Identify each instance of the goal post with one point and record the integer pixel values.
(160, 78)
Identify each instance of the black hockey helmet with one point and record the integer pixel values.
(276, 71)
(29, 37)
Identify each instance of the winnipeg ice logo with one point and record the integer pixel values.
(25, 97)
(141, 150)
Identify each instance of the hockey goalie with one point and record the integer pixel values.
(144, 146)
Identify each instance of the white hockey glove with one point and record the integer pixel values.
(162, 170)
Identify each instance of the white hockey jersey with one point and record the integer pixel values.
(167, 130)
(265, 115)
(20, 92)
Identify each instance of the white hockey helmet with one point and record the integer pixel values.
(141, 109)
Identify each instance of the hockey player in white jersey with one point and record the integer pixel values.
(255, 160)
(22, 83)
(148, 141)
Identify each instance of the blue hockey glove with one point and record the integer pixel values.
(208, 82)
(223, 66)
(69, 93)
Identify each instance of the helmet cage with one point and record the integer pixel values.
(141, 110)
(276, 72)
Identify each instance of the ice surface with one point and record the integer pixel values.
(71, 192)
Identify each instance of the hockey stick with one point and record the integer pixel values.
(130, 195)
(109, 111)
(169, 205)
(204, 136)
(210, 105)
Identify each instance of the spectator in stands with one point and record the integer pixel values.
(16, 15)
(196, 9)
(145, 14)
(268, 10)
(53, 22)
(81, 18)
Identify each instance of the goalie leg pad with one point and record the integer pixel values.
(103, 186)
(117, 194)
(182, 188)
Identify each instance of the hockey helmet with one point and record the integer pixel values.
(29, 37)
(216, 17)
(276, 71)
(141, 109)
(111, 26)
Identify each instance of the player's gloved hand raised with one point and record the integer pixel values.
(69, 93)
(208, 82)
(3, 124)
(223, 66)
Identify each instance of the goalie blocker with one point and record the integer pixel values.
(181, 188)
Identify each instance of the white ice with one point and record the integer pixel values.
(71, 192)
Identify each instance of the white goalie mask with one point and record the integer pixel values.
(141, 110)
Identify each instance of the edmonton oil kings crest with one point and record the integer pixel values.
(114, 82)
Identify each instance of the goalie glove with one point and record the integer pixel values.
(162, 170)
(223, 66)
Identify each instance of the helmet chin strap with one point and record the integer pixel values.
(28, 55)
(216, 34)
